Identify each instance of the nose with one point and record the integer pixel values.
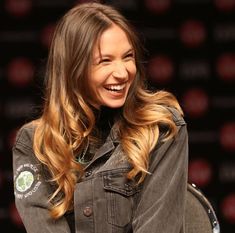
(120, 71)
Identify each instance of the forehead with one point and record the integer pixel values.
(113, 39)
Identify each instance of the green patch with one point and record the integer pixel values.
(24, 181)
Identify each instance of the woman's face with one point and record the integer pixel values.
(113, 68)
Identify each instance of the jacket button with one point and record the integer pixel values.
(88, 173)
(87, 211)
(128, 187)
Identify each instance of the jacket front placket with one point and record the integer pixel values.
(84, 191)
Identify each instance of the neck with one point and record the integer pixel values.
(105, 119)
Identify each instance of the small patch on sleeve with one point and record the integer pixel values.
(26, 180)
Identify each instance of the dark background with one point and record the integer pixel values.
(191, 52)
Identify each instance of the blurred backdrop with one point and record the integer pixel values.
(191, 52)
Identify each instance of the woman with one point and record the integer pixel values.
(106, 155)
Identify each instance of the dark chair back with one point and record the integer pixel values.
(200, 215)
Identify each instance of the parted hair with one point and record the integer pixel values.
(68, 119)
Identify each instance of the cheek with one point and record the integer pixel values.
(94, 80)
(93, 84)
(132, 70)
(100, 76)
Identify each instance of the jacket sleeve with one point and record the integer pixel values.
(31, 188)
(161, 203)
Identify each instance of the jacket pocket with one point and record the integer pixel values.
(120, 194)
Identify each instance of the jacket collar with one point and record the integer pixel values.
(110, 144)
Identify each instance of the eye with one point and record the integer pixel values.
(129, 56)
(104, 61)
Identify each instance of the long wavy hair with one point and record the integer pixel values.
(67, 120)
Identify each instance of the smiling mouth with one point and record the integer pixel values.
(115, 88)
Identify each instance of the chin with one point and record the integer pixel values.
(114, 105)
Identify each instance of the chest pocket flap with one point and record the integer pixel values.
(117, 181)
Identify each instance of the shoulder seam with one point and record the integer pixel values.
(23, 145)
(178, 119)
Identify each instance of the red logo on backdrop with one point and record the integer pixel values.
(192, 33)
(160, 69)
(47, 34)
(195, 102)
(20, 72)
(227, 136)
(225, 5)
(200, 172)
(226, 66)
(158, 6)
(18, 8)
(14, 215)
(228, 208)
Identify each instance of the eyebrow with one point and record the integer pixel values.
(129, 51)
(109, 55)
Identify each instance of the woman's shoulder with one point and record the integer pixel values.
(166, 101)
(24, 135)
(177, 115)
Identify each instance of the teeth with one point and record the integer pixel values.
(116, 87)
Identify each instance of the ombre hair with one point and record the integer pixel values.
(67, 120)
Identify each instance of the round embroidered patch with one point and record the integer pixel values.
(24, 181)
